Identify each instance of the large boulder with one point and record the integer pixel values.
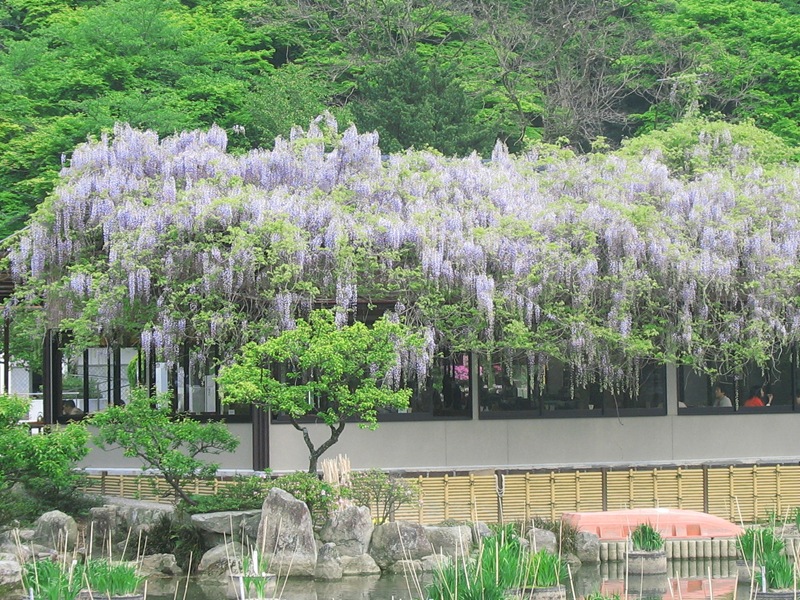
(159, 564)
(328, 565)
(10, 573)
(56, 530)
(219, 527)
(122, 519)
(450, 541)
(480, 531)
(542, 538)
(359, 565)
(350, 528)
(399, 541)
(588, 547)
(221, 560)
(286, 533)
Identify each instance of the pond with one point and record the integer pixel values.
(686, 580)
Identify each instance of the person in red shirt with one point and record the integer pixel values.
(757, 397)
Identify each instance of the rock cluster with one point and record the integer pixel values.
(282, 531)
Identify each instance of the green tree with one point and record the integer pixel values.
(319, 369)
(411, 103)
(147, 429)
(44, 464)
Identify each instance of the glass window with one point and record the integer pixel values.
(510, 383)
(504, 383)
(446, 391)
(773, 385)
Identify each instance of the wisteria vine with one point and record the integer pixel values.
(599, 261)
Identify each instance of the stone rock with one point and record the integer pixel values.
(250, 525)
(405, 566)
(25, 552)
(588, 547)
(359, 565)
(480, 530)
(10, 573)
(10, 536)
(435, 562)
(572, 560)
(450, 541)
(328, 566)
(542, 538)
(221, 560)
(123, 519)
(159, 564)
(220, 527)
(398, 541)
(350, 528)
(287, 534)
(56, 530)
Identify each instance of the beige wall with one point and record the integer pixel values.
(241, 459)
(570, 442)
(524, 443)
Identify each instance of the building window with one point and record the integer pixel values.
(509, 384)
(776, 386)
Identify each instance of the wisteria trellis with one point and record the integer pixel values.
(599, 261)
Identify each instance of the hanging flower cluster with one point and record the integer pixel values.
(599, 261)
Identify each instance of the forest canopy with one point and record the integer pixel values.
(445, 75)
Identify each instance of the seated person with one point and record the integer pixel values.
(757, 397)
(721, 399)
(70, 412)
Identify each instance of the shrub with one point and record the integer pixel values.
(382, 492)
(146, 429)
(646, 538)
(112, 579)
(779, 570)
(319, 496)
(758, 542)
(502, 564)
(245, 493)
(170, 536)
(52, 580)
(566, 534)
(40, 466)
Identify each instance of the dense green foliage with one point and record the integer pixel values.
(321, 369)
(645, 537)
(453, 76)
(503, 564)
(248, 493)
(147, 429)
(41, 464)
(382, 492)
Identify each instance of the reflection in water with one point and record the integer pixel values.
(686, 580)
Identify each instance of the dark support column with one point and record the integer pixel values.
(186, 381)
(260, 439)
(117, 375)
(51, 377)
(705, 488)
(604, 486)
(109, 379)
(6, 354)
(149, 375)
(86, 380)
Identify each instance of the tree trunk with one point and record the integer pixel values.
(315, 453)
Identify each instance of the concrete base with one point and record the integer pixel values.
(641, 562)
(558, 592)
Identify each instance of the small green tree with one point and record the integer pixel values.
(42, 463)
(147, 429)
(318, 369)
(383, 492)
